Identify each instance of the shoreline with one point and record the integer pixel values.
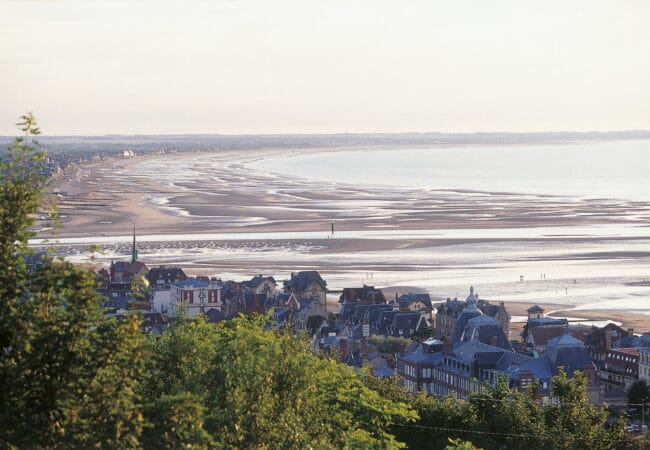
(396, 234)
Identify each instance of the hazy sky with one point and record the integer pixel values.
(262, 66)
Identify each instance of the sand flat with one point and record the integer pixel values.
(442, 240)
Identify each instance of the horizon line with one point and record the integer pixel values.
(350, 133)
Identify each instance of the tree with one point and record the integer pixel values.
(68, 377)
(250, 387)
(639, 394)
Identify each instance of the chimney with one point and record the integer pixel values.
(493, 341)
(447, 348)
(630, 332)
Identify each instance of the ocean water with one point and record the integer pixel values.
(589, 266)
(617, 169)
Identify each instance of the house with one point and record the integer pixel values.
(261, 285)
(485, 329)
(621, 368)
(307, 285)
(447, 313)
(457, 369)
(162, 277)
(127, 272)
(563, 352)
(600, 340)
(539, 336)
(118, 295)
(536, 318)
(365, 294)
(195, 296)
(469, 312)
(632, 340)
(415, 302)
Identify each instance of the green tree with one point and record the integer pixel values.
(68, 378)
(256, 388)
(389, 345)
(638, 394)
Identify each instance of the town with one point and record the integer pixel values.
(450, 348)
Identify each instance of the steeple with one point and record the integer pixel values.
(471, 300)
(134, 250)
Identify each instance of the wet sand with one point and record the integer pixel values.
(216, 192)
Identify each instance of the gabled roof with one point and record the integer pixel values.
(302, 280)
(406, 320)
(256, 281)
(535, 309)
(374, 311)
(408, 299)
(363, 294)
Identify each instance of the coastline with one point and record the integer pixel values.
(216, 193)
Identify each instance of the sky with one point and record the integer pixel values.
(261, 66)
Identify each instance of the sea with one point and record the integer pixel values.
(605, 266)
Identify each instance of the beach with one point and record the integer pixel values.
(221, 214)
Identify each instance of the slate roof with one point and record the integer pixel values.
(461, 322)
(420, 356)
(633, 341)
(256, 281)
(191, 281)
(545, 322)
(363, 294)
(168, 274)
(359, 312)
(374, 311)
(451, 307)
(406, 321)
(408, 299)
(540, 368)
(485, 329)
(568, 352)
(385, 321)
(302, 280)
(383, 372)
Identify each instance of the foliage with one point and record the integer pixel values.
(389, 345)
(638, 394)
(265, 389)
(72, 379)
(68, 378)
(499, 417)
(459, 444)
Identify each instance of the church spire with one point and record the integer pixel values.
(134, 250)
